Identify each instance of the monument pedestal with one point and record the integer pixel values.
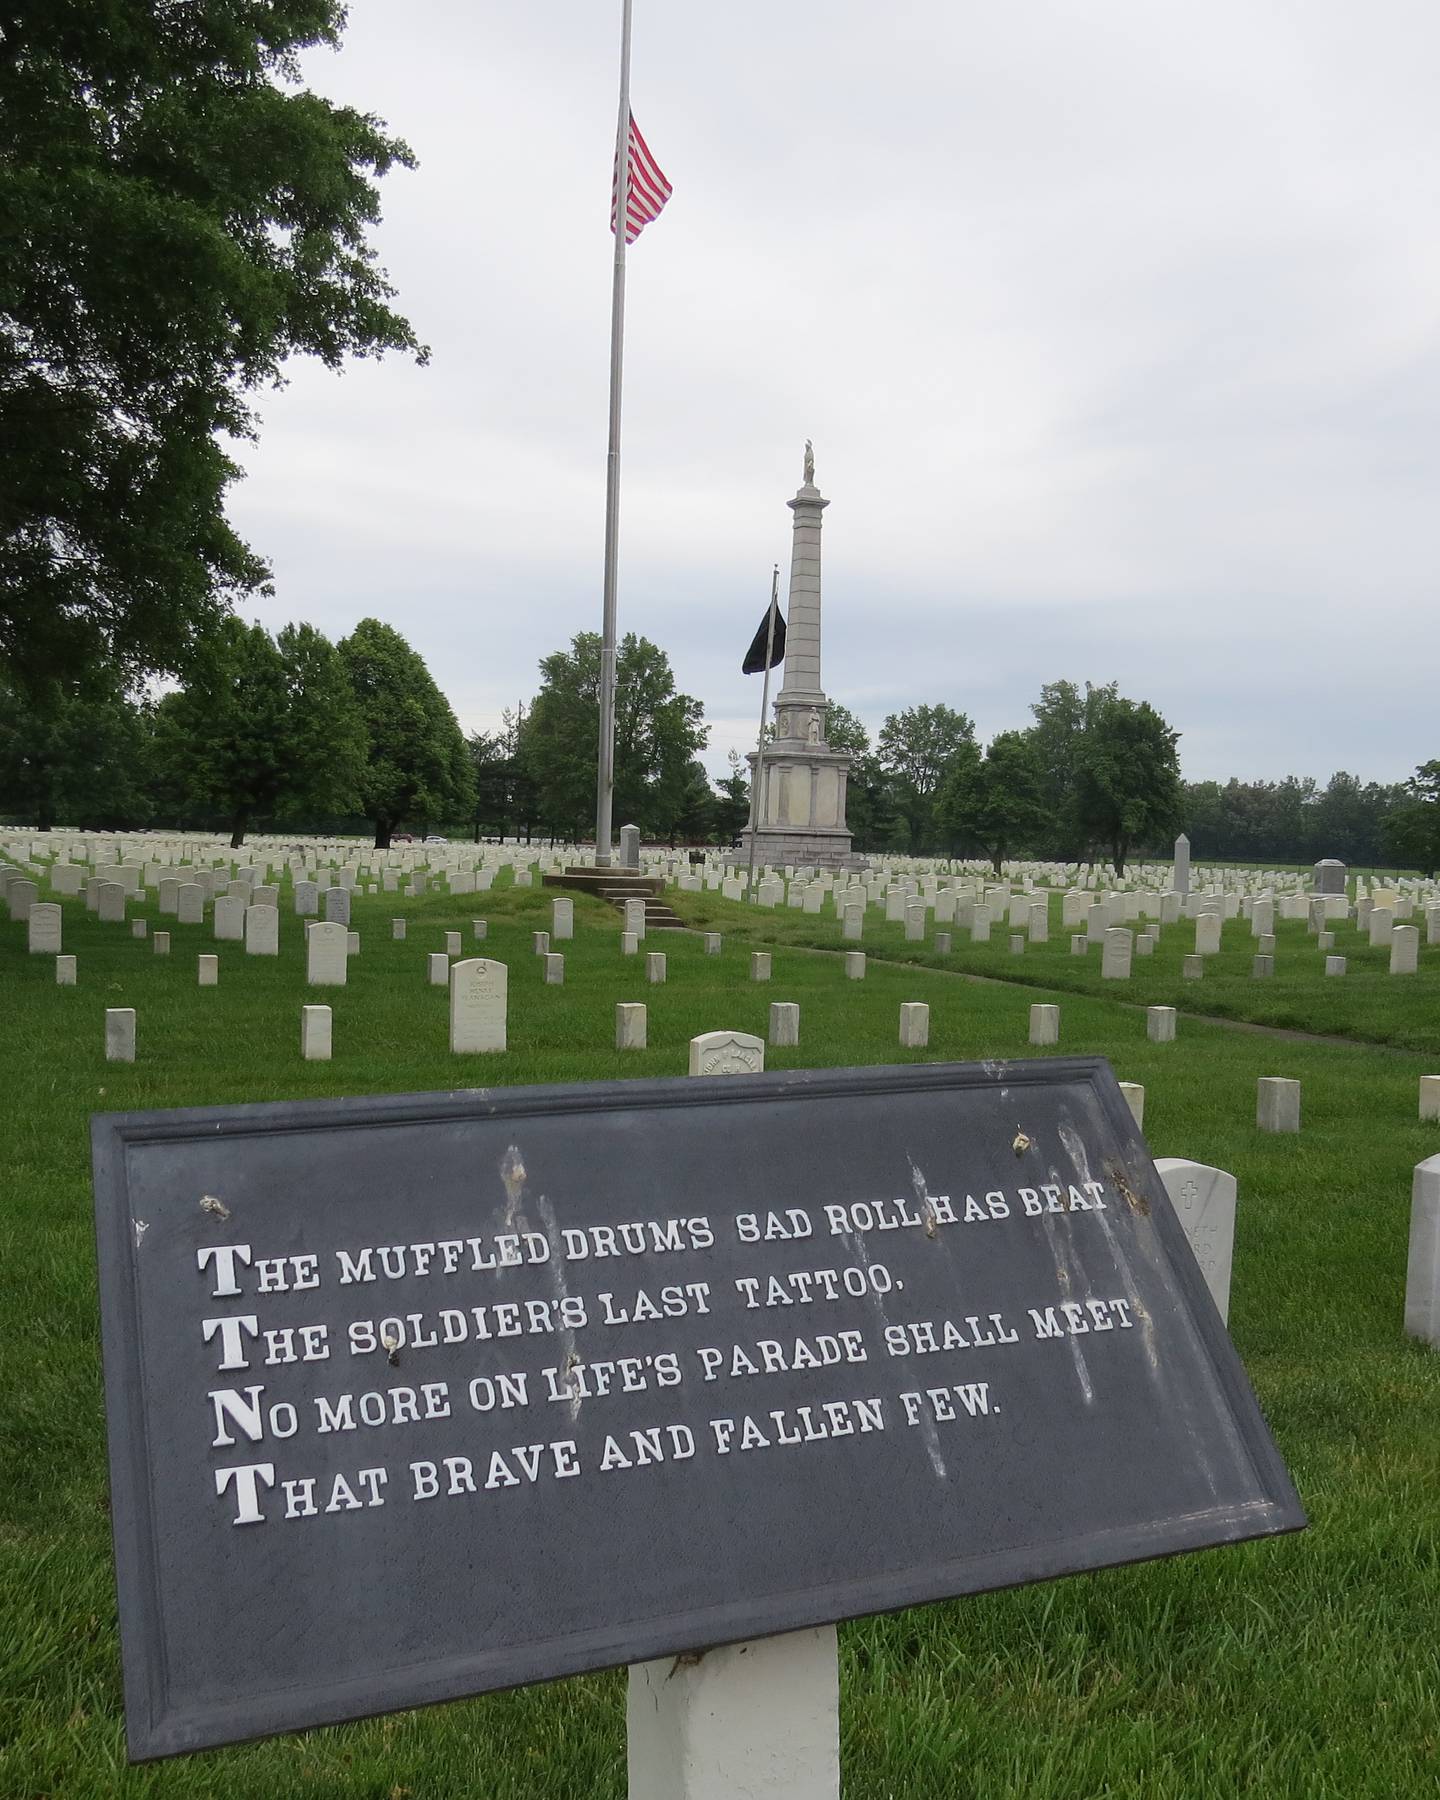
(799, 818)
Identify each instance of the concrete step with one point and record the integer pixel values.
(615, 887)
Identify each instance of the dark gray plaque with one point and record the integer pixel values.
(639, 1390)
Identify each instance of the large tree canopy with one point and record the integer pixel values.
(917, 747)
(504, 793)
(177, 217)
(995, 801)
(658, 731)
(417, 766)
(1412, 828)
(1127, 790)
(1062, 716)
(78, 760)
(264, 729)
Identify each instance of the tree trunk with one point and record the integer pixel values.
(237, 831)
(1119, 858)
(382, 835)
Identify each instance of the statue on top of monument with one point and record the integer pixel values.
(809, 463)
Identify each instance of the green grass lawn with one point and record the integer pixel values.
(1366, 1003)
(1308, 1665)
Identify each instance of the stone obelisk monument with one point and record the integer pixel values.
(797, 808)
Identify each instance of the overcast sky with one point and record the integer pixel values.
(1114, 325)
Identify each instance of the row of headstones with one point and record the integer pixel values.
(155, 855)
(903, 904)
(329, 945)
(186, 900)
(1186, 887)
(1228, 889)
(1328, 876)
(1119, 946)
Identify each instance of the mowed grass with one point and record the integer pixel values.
(1366, 1003)
(1304, 1666)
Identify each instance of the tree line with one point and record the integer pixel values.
(1096, 777)
(290, 731)
(266, 732)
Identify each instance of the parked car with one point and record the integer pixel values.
(402, 837)
(435, 839)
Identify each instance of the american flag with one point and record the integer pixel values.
(649, 190)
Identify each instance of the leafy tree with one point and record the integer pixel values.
(262, 730)
(181, 217)
(917, 747)
(504, 792)
(1291, 820)
(684, 806)
(658, 732)
(1412, 828)
(1348, 818)
(870, 808)
(996, 801)
(730, 813)
(844, 731)
(1203, 819)
(74, 759)
(220, 745)
(1128, 790)
(417, 766)
(1062, 715)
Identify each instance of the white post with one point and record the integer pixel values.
(605, 777)
(759, 1719)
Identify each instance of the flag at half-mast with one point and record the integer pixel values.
(771, 636)
(649, 190)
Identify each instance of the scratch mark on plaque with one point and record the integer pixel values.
(512, 1173)
(922, 1196)
(217, 1209)
(1079, 1157)
(1061, 1253)
(856, 1241)
(140, 1228)
(1022, 1143)
(1135, 1200)
(556, 1265)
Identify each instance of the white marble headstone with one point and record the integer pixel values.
(326, 954)
(478, 998)
(1204, 1202)
(726, 1053)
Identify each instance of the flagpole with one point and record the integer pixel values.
(605, 775)
(758, 789)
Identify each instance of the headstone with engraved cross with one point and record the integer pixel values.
(1204, 1202)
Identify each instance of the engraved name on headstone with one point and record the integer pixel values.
(478, 997)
